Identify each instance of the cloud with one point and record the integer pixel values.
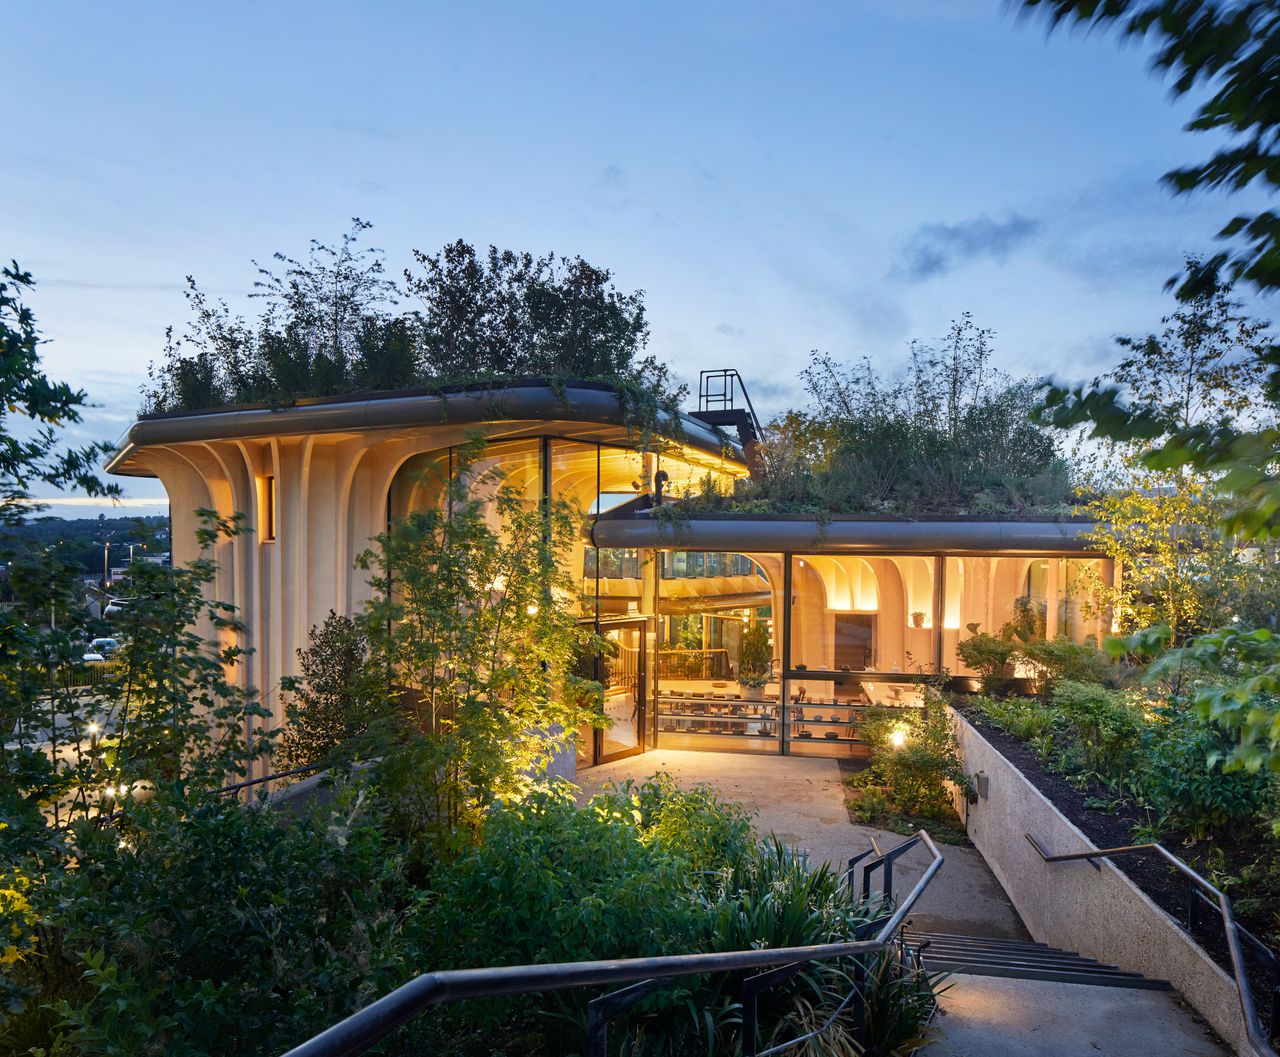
(729, 330)
(935, 249)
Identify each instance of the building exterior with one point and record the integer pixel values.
(859, 612)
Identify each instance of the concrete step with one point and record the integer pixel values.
(1020, 960)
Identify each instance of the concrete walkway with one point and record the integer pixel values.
(986, 1016)
(801, 800)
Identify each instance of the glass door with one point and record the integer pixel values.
(624, 692)
(625, 702)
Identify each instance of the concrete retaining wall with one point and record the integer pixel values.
(1096, 911)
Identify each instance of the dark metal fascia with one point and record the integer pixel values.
(530, 402)
(846, 537)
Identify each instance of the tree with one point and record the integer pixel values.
(339, 700)
(32, 404)
(1162, 532)
(1206, 365)
(334, 323)
(1162, 527)
(1218, 448)
(470, 621)
(167, 716)
(1224, 55)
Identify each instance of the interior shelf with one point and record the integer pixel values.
(791, 721)
(720, 733)
(745, 717)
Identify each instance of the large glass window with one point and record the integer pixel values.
(420, 483)
(717, 656)
(864, 636)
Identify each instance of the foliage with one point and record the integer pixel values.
(1030, 620)
(168, 713)
(951, 435)
(1107, 726)
(756, 659)
(1222, 55)
(988, 655)
(338, 703)
(305, 929)
(1183, 779)
(1162, 530)
(1063, 658)
(33, 412)
(1231, 441)
(334, 323)
(1025, 719)
(915, 765)
(1167, 758)
(563, 884)
(650, 869)
(1242, 693)
(466, 620)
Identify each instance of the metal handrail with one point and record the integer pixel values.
(1258, 1038)
(374, 1022)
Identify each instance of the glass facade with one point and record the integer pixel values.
(847, 635)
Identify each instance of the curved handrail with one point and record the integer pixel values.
(367, 1026)
(1252, 1025)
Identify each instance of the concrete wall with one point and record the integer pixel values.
(1096, 911)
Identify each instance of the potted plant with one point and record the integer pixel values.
(754, 662)
(917, 619)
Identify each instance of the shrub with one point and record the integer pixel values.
(563, 884)
(989, 656)
(1183, 779)
(916, 771)
(1020, 717)
(643, 870)
(1061, 658)
(215, 928)
(872, 803)
(1108, 729)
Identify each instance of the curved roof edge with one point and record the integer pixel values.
(844, 537)
(581, 401)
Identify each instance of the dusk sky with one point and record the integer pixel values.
(776, 177)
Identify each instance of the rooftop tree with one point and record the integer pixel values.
(334, 323)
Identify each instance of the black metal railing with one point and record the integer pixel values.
(643, 976)
(1201, 893)
(719, 390)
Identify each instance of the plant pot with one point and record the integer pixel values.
(753, 693)
(917, 620)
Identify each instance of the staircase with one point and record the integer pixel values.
(1020, 960)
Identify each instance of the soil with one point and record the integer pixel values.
(1113, 826)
